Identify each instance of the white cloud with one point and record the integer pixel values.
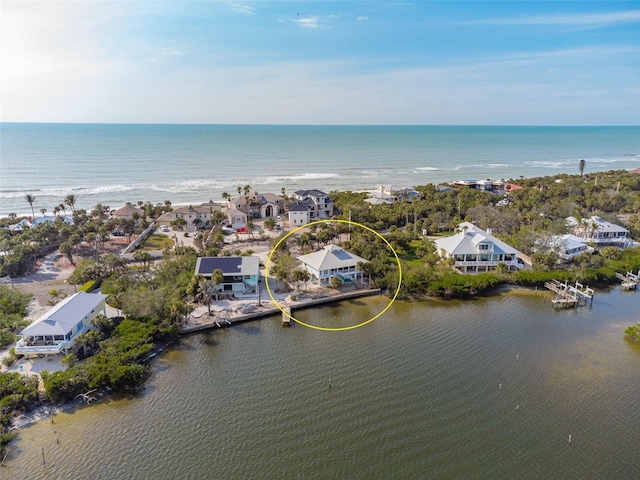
(307, 22)
(239, 8)
(362, 19)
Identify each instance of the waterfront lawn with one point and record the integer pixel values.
(409, 256)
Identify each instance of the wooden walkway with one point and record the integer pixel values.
(629, 281)
(218, 322)
(569, 295)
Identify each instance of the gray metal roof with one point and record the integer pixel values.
(331, 256)
(61, 319)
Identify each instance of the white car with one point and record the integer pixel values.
(164, 228)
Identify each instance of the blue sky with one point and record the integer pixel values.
(418, 62)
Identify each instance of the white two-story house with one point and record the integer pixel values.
(332, 261)
(475, 250)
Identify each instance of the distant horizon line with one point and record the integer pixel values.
(318, 124)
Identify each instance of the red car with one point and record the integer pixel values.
(242, 230)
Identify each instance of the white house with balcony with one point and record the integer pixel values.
(332, 261)
(599, 232)
(566, 247)
(57, 330)
(474, 250)
(317, 203)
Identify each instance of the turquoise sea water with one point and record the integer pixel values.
(113, 164)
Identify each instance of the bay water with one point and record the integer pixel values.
(496, 387)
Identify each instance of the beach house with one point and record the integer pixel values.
(317, 204)
(128, 212)
(329, 262)
(193, 215)
(599, 232)
(241, 275)
(259, 205)
(384, 195)
(57, 330)
(474, 250)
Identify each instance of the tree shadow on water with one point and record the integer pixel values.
(250, 330)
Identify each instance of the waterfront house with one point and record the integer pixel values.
(128, 212)
(483, 185)
(29, 222)
(241, 274)
(475, 250)
(57, 330)
(332, 261)
(599, 232)
(388, 195)
(259, 205)
(194, 216)
(566, 247)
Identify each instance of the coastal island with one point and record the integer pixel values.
(164, 269)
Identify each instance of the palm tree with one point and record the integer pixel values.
(581, 166)
(64, 210)
(206, 287)
(70, 200)
(30, 199)
(217, 277)
(226, 197)
(42, 211)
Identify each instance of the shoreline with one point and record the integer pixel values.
(269, 312)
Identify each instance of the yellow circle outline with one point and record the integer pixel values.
(335, 329)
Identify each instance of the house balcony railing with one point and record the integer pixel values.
(24, 348)
(488, 263)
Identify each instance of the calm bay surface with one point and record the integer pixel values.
(489, 388)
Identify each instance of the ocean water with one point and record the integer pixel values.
(114, 163)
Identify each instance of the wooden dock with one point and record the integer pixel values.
(629, 281)
(219, 322)
(569, 295)
(286, 317)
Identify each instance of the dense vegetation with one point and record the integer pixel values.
(13, 308)
(153, 297)
(17, 393)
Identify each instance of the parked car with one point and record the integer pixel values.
(164, 228)
(241, 230)
(278, 227)
(117, 234)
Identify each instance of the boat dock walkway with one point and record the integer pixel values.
(570, 295)
(629, 281)
(227, 321)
